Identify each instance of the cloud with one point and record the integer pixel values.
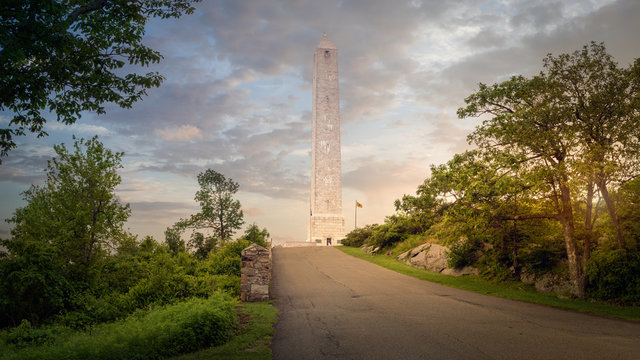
(183, 133)
(78, 128)
(252, 211)
(237, 94)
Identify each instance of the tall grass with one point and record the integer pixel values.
(159, 333)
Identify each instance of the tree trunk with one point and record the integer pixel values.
(613, 214)
(576, 273)
(588, 225)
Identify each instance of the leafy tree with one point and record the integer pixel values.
(32, 285)
(76, 210)
(173, 239)
(359, 236)
(256, 235)
(65, 57)
(220, 212)
(602, 100)
(203, 245)
(61, 238)
(567, 132)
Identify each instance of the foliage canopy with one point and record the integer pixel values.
(66, 57)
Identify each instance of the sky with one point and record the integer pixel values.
(237, 99)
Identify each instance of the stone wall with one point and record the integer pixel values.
(256, 273)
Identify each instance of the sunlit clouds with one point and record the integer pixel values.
(237, 99)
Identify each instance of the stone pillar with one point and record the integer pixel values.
(326, 223)
(256, 273)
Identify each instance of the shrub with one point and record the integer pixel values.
(388, 234)
(613, 275)
(540, 259)
(162, 332)
(462, 253)
(493, 266)
(358, 237)
(26, 335)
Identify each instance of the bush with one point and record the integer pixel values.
(462, 253)
(162, 332)
(613, 275)
(387, 235)
(539, 260)
(227, 260)
(25, 335)
(493, 266)
(358, 237)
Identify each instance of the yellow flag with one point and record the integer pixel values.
(358, 204)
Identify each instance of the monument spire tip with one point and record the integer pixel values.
(325, 43)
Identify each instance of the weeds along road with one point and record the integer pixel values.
(333, 306)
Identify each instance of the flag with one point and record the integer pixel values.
(358, 204)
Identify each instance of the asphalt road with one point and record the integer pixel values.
(334, 306)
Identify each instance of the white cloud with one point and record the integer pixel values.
(78, 128)
(183, 133)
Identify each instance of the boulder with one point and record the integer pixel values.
(548, 282)
(433, 257)
(367, 249)
(467, 270)
(553, 283)
(416, 250)
(404, 255)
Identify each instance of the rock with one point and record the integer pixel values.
(367, 249)
(554, 283)
(548, 282)
(404, 255)
(416, 250)
(467, 270)
(433, 257)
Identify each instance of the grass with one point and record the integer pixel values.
(508, 290)
(158, 333)
(252, 340)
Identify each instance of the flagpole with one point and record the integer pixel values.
(355, 221)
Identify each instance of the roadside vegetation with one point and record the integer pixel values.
(508, 289)
(75, 284)
(552, 185)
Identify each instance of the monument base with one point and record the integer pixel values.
(326, 229)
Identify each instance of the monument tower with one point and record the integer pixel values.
(326, 223)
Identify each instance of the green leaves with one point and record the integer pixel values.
(220, 213)
(76, 210)
(65, 57)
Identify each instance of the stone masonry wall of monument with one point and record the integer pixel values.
(326, 219)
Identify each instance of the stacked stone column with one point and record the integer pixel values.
(255, 274)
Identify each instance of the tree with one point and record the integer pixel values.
(60, 239)
(557, 124)
(173, 239)
(219, 211)
(76, 210)
(256, 235)
(65, 57)
(201, 244)
(605, 118)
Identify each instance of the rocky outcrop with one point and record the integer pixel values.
(548, 282)
(433, 257)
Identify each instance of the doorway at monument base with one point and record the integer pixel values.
(326, 229)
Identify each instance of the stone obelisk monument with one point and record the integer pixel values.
(326, 223)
